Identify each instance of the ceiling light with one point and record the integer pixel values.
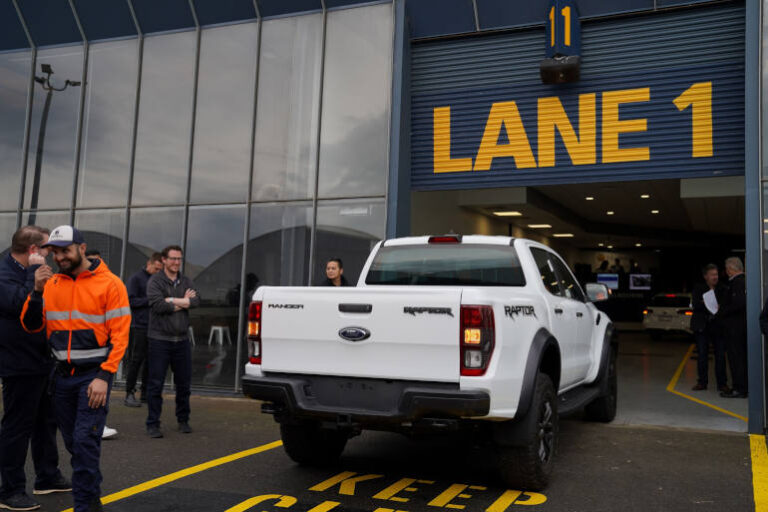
(508, 214)
(645, 196)
(563, 235)
(539, 226)
(590, 198)
(610, 212)
(610, 247)
(601, 244)
(654, 212)
(638, 245)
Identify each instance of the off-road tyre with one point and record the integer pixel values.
(603, 408)
(310, 445)
(528, 465)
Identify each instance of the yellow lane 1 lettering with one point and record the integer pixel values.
(504, 115)
(441, 132)
(552, 116)
(346, 481)
(699, 98)
(453, 492)
(613, 126)
(404, 484)
(282, 502)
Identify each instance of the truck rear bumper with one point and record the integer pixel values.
(363, 401)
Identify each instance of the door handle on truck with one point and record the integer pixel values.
(355, 308)
(579, 314)
(558, 311)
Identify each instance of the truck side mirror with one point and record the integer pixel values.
(598, 292)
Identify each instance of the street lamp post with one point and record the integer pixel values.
(45, 83)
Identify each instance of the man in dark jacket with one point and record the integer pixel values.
(137, 296)
(708, 330)
(25, 367)
(734, 315)
(170, 296)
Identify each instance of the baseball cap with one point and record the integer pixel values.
(64, 236)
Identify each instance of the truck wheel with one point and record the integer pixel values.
(603, 408)
(529, 465)
(308, 444)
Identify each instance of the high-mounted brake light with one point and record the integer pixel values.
(670, 295)
(254, 333)
(444, 240)
(477, 339)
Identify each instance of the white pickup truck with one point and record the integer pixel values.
(489, 334)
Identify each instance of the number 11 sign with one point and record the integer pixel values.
(563, 29)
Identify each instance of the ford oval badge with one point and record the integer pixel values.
(355, 333)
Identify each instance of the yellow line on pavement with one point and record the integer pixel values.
(157, 482)
(673, 383)
(759, 471)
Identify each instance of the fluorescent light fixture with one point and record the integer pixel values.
(645, 196)
(589, 198)
(610, 247)
(638, 245)
(563, 235)
(539, 226)
(655, 212)
(610, 212)
(508, 214)
(601, 244)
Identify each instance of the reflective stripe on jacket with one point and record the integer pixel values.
(87, 319)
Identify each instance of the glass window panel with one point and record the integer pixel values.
(108, 125)
(278, 245)
(53, 134)
(285, 154)
(7, 229)
(165, 117)
(151, 230)
(224, 121)
(103, 231)
(48, 220)
(14, 87)
(214, 261)
(355, 122)
(347, 230)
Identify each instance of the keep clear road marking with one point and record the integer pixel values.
(759, 471)
(676, 377)
(157, 482)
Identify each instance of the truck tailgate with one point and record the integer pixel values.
(413, 333)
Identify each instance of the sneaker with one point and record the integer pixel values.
(699, 387)
(108, 433)
(184, 427)
(61, 484)
(19, 502)
(130, 400)
(154, 432)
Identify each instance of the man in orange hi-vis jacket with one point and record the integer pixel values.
(85, 311)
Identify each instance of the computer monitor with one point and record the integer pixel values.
(639, 281)
(609, 280)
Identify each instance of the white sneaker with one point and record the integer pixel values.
(108, 433)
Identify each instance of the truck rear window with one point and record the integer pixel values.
(446, 265)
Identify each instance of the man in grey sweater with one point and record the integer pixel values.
(170, 296)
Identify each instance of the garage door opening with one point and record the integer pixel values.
(648, 241)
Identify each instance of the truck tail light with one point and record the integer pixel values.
(477, 339)
(686, 312)
(647, 311)
(254, 332)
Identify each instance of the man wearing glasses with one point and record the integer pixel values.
(170, 296)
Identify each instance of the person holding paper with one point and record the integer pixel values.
(707, 328)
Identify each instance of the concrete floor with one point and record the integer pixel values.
(646, 368)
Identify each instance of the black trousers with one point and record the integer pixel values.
(137, 362)
(28, 417)
(177, 355)
(737, 357)
(704, 339)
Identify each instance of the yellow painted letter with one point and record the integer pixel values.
(699, 97)
(504, 115)
(552, 115)
(441, 132)
(404, 484)
(454, 491)
(346, 482)
(612, 126)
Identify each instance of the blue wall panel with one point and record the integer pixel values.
(502, 13)
(50, 21)
(223, 11)
(104, 19)
(589, 8)
(430, 18)
(664, 52)
(163, 15)
(11, 32)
